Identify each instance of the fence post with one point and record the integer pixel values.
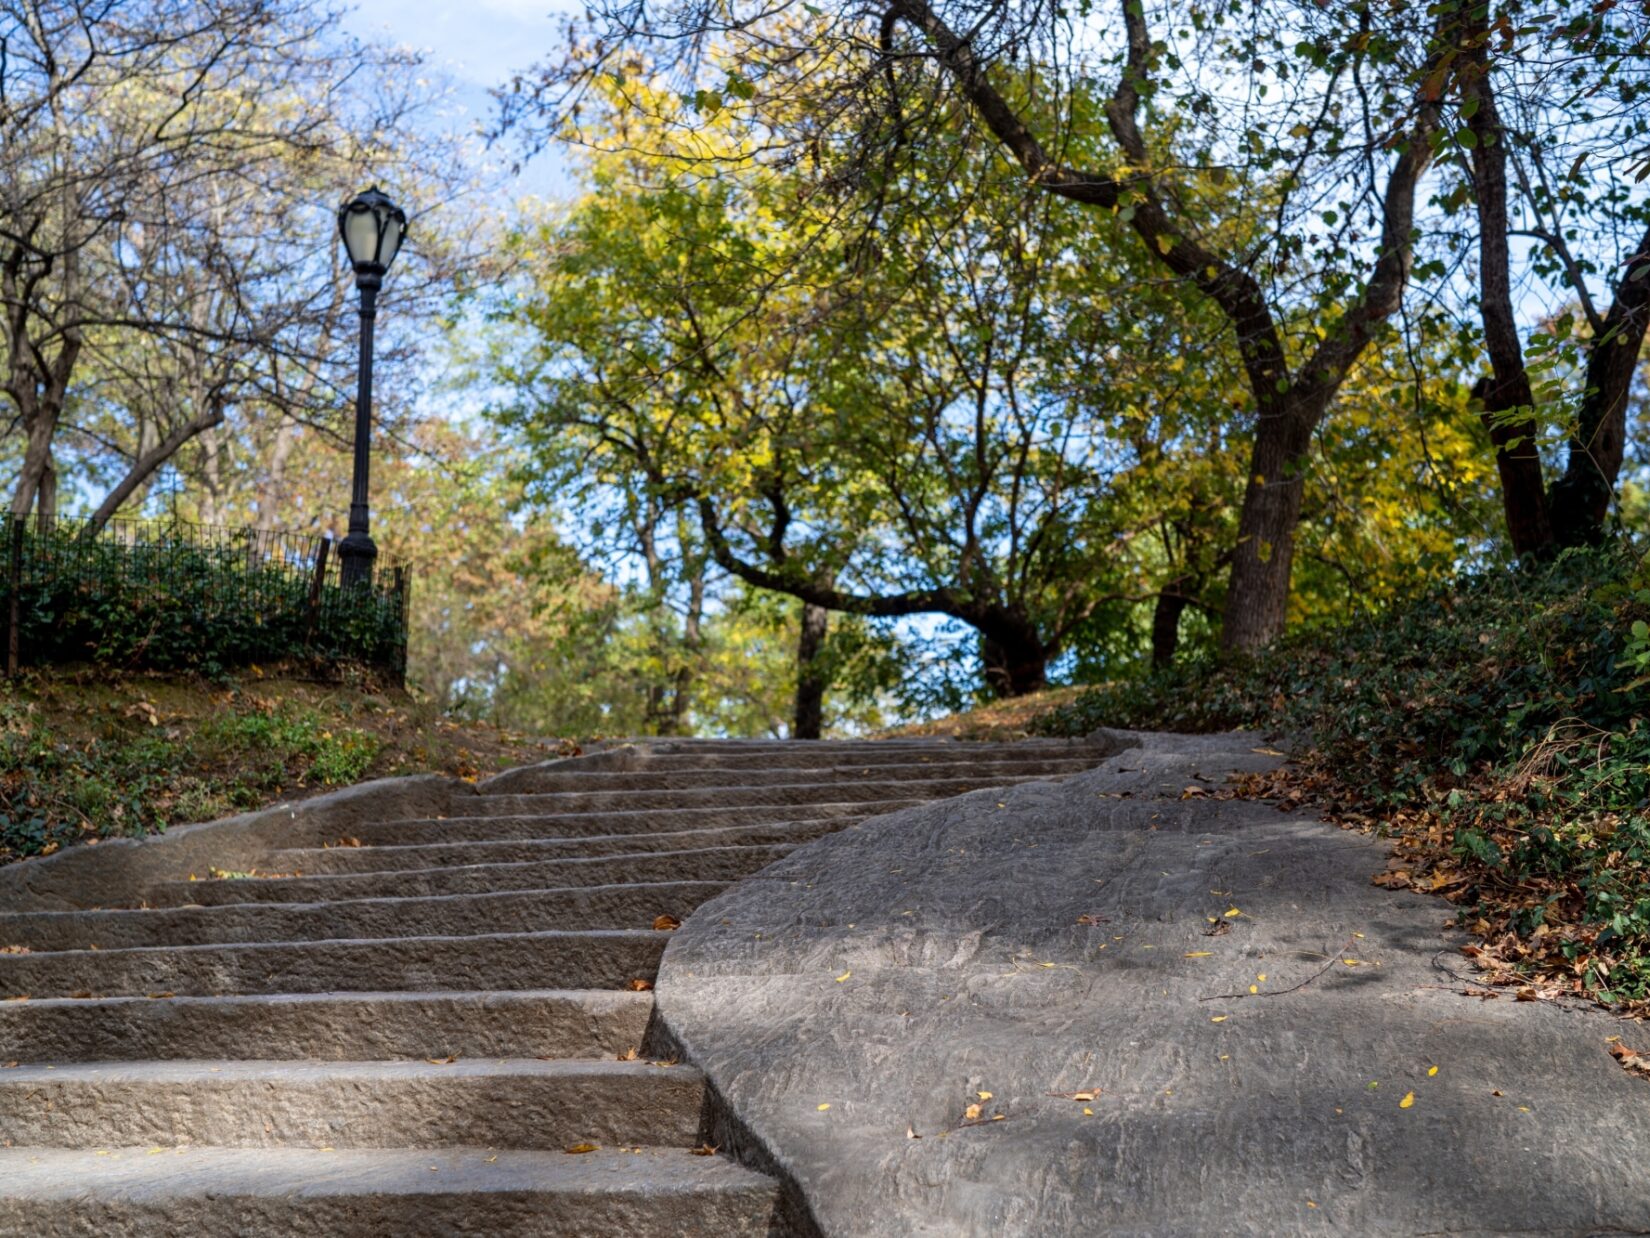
(315, 582)
(14, 594)
(403, 579)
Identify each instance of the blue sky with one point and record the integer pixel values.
(477, 44)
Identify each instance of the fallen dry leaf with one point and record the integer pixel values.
(1632, 1061)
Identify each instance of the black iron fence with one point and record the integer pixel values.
(167, 595)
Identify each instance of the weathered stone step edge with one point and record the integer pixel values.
(357, 1193)
(697, 864)
(389, 857)
(508, 827)
(598, 959)
(828, 749)
(518, 804)
(591, 1023)
(509, 1102)
(550, 779)
(630, 905)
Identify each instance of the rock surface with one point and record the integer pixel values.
(1257, 1023)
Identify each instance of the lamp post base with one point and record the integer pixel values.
(355, 559)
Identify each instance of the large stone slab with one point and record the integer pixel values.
(1257, 1023)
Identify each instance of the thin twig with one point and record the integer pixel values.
(1219, 997)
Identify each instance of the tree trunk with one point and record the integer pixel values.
(1523, 491)
(1257, 603)
(1171, 604)
(1580, 500)
(37, 479)
(45, 502)
(1013, 655)
(271, 492)
(810, 673)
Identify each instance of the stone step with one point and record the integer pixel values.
(501, 827)
(864, 789)
(837, 751)
(599, 959)
(553, 778)
(498, 1102)
(591, 1023)
(314, 861)
(698, 864)
(136, 1192)
(624, 906)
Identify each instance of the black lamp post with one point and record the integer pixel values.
(372, 227)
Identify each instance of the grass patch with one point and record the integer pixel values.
(86, 754)
(1494, 729)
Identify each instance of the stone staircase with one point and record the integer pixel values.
(423, 1026)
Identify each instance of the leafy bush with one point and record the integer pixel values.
(1494, 727)
(170, 602)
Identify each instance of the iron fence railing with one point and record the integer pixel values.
(171, 595)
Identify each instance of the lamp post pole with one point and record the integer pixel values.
(372, 228)
(357, 552)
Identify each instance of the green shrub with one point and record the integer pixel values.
(170, 602)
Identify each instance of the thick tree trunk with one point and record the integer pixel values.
(1580, 500)
(1257, 603)
(1013, 656)
(1523, 490)
(1518, 463)
(810, 673)
(45, 500)
(1171, 604)
(37, 479)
